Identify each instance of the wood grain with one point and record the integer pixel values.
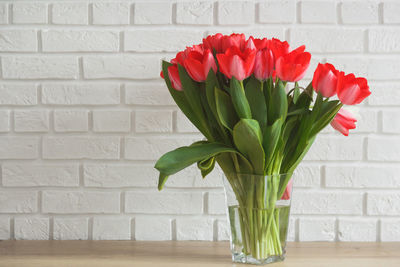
(193, 254)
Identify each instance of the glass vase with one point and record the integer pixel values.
(258, 216)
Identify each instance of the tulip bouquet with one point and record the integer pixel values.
(244, 97)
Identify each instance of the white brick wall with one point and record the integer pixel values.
(84, 115)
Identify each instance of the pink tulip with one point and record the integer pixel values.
(264, 64)
(344, 121)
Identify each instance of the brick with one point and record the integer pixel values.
(318, 12)
(317, 229)
(194, 229)
(390, 12)
(199, 13)
(81, 147)
(40, 175)
(291, 231)
(18, 201)
(359, 12)
(71, 120)
(152, 228)
(44, 67)
(385, 94)
(137, 148)
(390, 230)
(224, 232)
(153, 13)
(390, 122)
(336, 148)
(31, 120)
(153, 121)
(3, 13)
(18, 41)
(236, 13)
(113, 175)
(152, 94)
(70, 13)
(111, 229)
(18, 94)
(5, 232)
(80, 202)
(362, 176)
(31, 228)
(18, 147)
(318, 202)
(110, 13)
(324, 40)
(216, 203)
(384, 40)
(383, 148)
(357, 230)
(70, 229)
(80, 41)
(29, 13)
(307, 176)
(367, 121)
(183, 124)
(4, 120)
(191, 177)
(164, 202)
(81, 94)
(121, 66)
(385, 203)
(111, 120)
(375, 68)
(173, 40)
(283, 11)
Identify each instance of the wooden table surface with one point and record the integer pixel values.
(193, 254)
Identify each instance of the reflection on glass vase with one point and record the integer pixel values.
(258, 214)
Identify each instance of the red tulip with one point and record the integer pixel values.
(344, 121)
(353, 90)
(326, 80)
(237, 63)
(213, 42)
(199, 64)
(288, 190)
(293, 66)
(235, 39)
(181, 56)
(264, 64)
(161, 74)
(173, 75)
(255, 43)
(278, 47)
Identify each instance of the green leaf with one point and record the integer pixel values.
(192, 93)
(180, 158)
(239, 99)
(247, 137)
(162, 178)
(270, 141)
(255, 97)
(211, 83)
(328, 111)
(225, 110)
(206, 166)
(180, 99)
(296, 92)
(278, 104)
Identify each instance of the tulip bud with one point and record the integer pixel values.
(344, 121)
(325, 80)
